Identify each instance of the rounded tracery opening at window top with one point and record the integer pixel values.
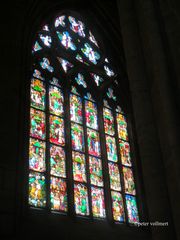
(72, 79)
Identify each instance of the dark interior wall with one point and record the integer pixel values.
(147, 55)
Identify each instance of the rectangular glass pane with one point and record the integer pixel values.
(91, 114)
(95, 169)
(114, 176)
(111, 149)
(58, 194)
(98, 205)
(38, 93)
(37, 125)
(129, 181)
(132, 209)
(117, 205)
(57, 161)
(81, 199)
(108, 121)
(75, 108)
(37, 189)
(37, 155)
(122, 127)
(93, 142)
(79, 167)
(56, 130)
(56, 101)
(77, 135)
(125, 153)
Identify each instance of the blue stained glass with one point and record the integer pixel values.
(66, 40)
(108, 71)
(45, 64)
(132, 209)
(65, 64)
(77, 26)
(46, 39)
(80, 80)
(90, 53)
(60, 21)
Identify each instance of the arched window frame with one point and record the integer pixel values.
(99, 99)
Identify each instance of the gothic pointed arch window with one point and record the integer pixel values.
(80, 159)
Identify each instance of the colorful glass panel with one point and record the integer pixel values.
(110, 94)
(80, 80)
(56, 101)
(45, 64)
(60, 21)
(129, 181)
(79, 167)
(81, 199)
(108, 71)
(92, 55)
(91, 115)
(37, 189)
(95, 169)
(77, 26)
(37, 155)
(108, 121)
(57, 161)
(98, 204)
(77, 135)
(46, 40)
(38, 94)
(66, 40)
(58, 194)
(37, 125)
(37, 74)
(117, 206)
(65, 64)
(92, 39)
(122, 127)
(132, 209)
(111, 149)
(57, 130)
(98, 80)
(93, 142)
(114, 176)
(125, 153)
(36, 47)
(75, 108)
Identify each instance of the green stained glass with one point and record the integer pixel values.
(117, 206)
(98, 204)
(125, 153)
(111, 148)
(93, 142)
(75, 108)
(37, 189)
(132, 209)
(37, 155)
(56, 101)
(95, 169)
(37, 124)
(122, 126)
(79, 167)
(38, 94)
(114, 176)
(129, 181)
(57, 161)
(58, 194)
(91, 114)
(77, 135)
(81, 199)
(56, 130)
(108, 121)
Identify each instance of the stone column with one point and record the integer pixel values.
(148, 142)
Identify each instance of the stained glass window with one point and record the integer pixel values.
(78, 133)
